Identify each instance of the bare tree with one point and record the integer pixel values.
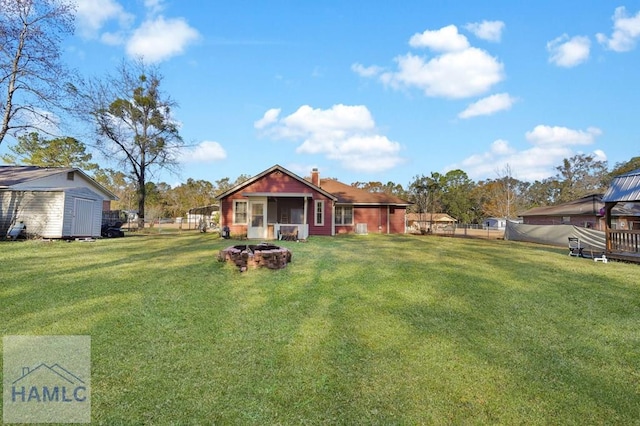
(32, 76)
(499, 197)
(134, 123)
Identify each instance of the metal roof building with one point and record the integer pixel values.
(623, 188)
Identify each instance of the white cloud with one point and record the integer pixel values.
(460, 74)
(548, 135)
(93, 15)
(161, 38)
(156, 39)
(154, 6)
(489, 105)
(600, 155)
(626, 31)
(205, 152)
(446, 39)
(457, 71)
(269, 117)
(549, 145)
(501, 147)
(363, 71)
(343, 133)
(487, 30)
(569, 52)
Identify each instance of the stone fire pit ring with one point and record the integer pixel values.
(252, 256)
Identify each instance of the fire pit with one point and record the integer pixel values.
(256, 255)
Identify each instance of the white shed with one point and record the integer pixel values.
(51, 202)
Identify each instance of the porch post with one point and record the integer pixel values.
(304, 214)
(304, 209)
(607, 220)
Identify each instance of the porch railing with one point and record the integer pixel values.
(303, 229)
(627, 242)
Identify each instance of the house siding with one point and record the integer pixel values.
(41, 211)
(324, 229)
(576, 220)
(379, 220)
(397, 221)
(49, 214)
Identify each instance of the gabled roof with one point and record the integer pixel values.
(14, 175)
(625, 187)
(331, 188)
(347, 194)
(259, 176)
(11, 176)
(588, 206)
(427, 217)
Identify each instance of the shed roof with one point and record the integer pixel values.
(14, 175)
(625, 187)
(11, 176)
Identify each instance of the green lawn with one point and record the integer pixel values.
(356, 330)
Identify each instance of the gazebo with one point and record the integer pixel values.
(623, 240)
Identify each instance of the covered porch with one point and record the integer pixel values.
(623, 239)
(278, 216)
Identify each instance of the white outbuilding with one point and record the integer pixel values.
(52, 202)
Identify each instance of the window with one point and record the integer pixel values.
(319, 213)
(344, 215)
(566, 219)
(70, 176)
(240, 212)
(297, 216)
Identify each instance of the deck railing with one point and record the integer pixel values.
(619, 241)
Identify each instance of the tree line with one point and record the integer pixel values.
(504, 196)
(129, 121)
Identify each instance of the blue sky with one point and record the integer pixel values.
(381, 91)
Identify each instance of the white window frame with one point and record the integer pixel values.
(339, 215)
(235, 212)
(319, 209)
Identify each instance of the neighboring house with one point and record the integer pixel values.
(586, 212)
(278, 203)
(623, 233)
(495, 222)
(583, 212)
(425, 221)
(55, 202)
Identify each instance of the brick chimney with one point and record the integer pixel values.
(315, 177)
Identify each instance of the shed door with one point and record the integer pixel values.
(82, 218)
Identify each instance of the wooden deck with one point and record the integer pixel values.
(623, 245)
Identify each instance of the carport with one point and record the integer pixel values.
(196, 214)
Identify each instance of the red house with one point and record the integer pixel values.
(280, 204)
